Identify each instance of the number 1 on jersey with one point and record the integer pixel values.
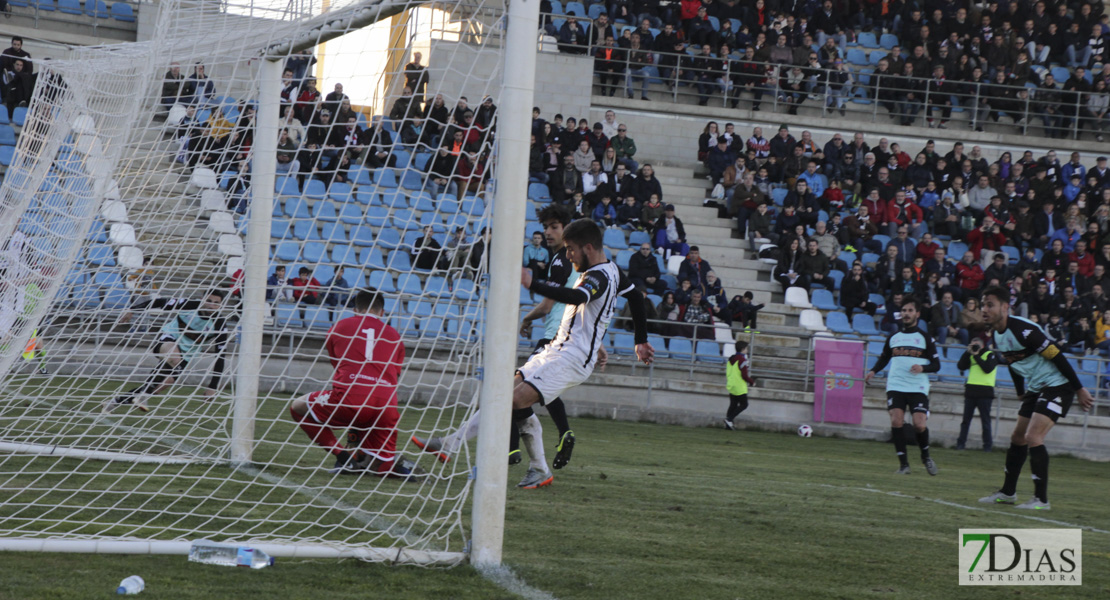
(370, 339)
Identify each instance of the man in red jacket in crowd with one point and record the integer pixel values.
(904, 212)
(969, 275)
(986, 240)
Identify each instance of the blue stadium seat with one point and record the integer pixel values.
(465, 290)
(70, 7)
(362, 177)
(281, 229)
(288, 251)
(437, 287)
(371, 258)
(778, 195)
(7, 135)
(448, 207)
(614, 238)
(47, 5)
(956, 249)
(423, 202)
(340, 192)
(878, 301)
(638, 238)
(97, 9)
(577, 9)
(888, 41)
(324, 210)
(823, 299)
(381, 281)
(305, 229)
(409, 283)
(869, 257)
(385, 178)
(837, 277)
(315, 189)
(377, 216)
(351, 214)
(949, 373)
(857, 57)
(122, 11)
(708, 351)
(6, 154)
(538, 191)
(420, 160)
(317, 317)
(333, 232)
(864, 324)
(344, 254)
(362, 235)
(1012, 253)
(288, 315)
(399, 260)
(434, 221)
(412, 181)
(837, 322)
(471, 205)
(19, 117)
(623, 257)
(680, 349)
(101, 254)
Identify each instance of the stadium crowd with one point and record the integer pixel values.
(941, 225)
(995, 59)
(592, 171)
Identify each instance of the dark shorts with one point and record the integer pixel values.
(915, 402)
(1052, 402)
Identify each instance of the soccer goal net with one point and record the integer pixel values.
(135, 406)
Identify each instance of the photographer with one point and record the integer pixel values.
(978, 390)
(986, 240)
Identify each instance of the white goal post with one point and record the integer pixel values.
(191, 192)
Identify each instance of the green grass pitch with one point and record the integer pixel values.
(653, 511)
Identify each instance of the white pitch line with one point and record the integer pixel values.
(965, 507)
(506, 579)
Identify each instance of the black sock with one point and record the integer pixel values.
(923, 442)
(1015, 459)
(1038, 463)
(899, 445)
(514, 438)
(558, 412)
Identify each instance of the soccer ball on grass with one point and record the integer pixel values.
(805, 430)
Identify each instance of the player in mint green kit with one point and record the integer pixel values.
(1047, 385)
(912, 356)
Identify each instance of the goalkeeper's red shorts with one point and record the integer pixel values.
(374, 418)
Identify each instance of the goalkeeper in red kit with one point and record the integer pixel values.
(367, 355)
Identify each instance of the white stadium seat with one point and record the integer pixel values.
(230, 245)
(799, 297)
(811, 319)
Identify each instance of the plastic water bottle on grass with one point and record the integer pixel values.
(228, 555)
(132, 585)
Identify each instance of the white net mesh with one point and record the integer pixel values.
(129, 194)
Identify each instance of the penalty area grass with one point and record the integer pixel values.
(656, 511)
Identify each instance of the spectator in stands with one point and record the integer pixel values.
(906, 247)
(307, 101)
(628, 215)
(583, 156)
(969, 274)
(16, 87)
(787, 271)
(889, 269)
(287, 155)
(299, 63)
(815, 266)
(416, 78)
(1068, 236)
(625, 148)
(276, 285)
(604, 213)
(670, 235)
(427, 253)
(14, 52)
(609, 65)
(306, 289)
(639, 59)
(946, 322)
(715, 296)
(566, 182)
(987, 239)
(173, 83)
(336, 97)
(719, 159)
(744, 311)
(643, 271)
(198, 89)
(536, 255)
(760, 226)
(594, 183)
(695, 269)
(855, 294)
(838, 86)
(338, 289)
(441, 173)
(742, 195)
(572, 38)
(697, 317)
(805, 204)
(859, 230)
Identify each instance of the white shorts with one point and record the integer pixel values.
(553, 373)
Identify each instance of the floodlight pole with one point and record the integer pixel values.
(255, 309)
(514, 127)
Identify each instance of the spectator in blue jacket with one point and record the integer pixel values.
(536, 256)
(719, 159)
(338, 289)
(605, 214)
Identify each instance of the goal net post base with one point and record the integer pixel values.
(399, 556)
